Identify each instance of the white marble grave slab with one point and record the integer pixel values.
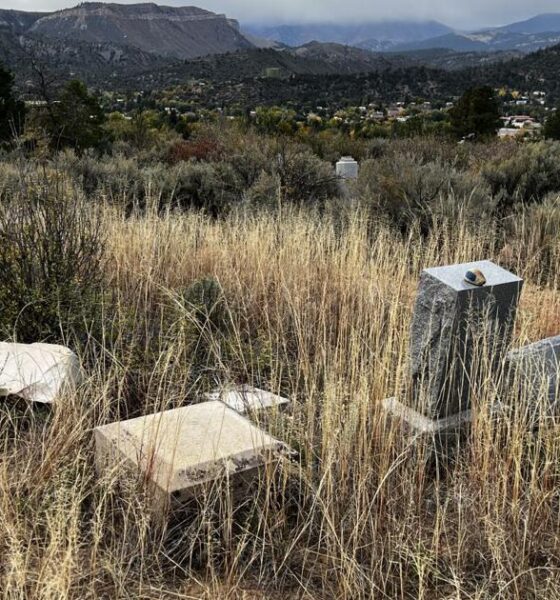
(183, 448)
(37, 372)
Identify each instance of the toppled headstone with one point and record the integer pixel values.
(536, 369)
(246, 399)
(37, 372)
(178, 450)
(459, 309)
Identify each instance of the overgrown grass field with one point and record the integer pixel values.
(162, 305)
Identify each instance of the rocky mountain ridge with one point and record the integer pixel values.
(174, 32)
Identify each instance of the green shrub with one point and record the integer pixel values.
(51, 252)
(531, 173)
(205, 298)
(304, 178)
(406, 189)
(264, 193)
(249, 162)
(204, 310)
(212, 187)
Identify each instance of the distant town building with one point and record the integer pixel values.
(519, 126)
(273, 73)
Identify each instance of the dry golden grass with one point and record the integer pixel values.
(319, 309)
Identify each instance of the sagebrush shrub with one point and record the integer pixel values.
(51, 254)
(531, 173)
(304, 178)
(207, 325)
(407, 189)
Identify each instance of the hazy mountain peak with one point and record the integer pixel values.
(351, 34)
(545, 23)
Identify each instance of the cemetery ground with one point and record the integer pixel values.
(316, 307)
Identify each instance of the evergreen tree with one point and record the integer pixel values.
(12, 111)
(476, 113)
(76, 121)
(552, 126)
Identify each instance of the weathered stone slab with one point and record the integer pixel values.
(246, 399)
(421, 425)
(536, 369)
(37, 372)
(451, 316)
(178, 450)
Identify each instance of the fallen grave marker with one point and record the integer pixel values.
(246, 399)
(181, 449)
(535, 369)
(37, 372)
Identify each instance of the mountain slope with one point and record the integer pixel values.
(536, 71)
(487, 41)
(343, 59)
(184, 32)
(98, 64)
(452, 41)
(110, 65)
(231, 81)
(316, 62)
(18, 21)
(546, 23)
(312, 59)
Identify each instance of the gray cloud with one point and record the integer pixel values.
(457, 13)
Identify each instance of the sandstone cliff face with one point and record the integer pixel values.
(184, 32)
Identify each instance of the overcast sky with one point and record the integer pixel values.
(457, 13)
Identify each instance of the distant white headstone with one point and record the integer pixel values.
(347, 168)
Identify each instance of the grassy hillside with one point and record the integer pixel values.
(311, 297)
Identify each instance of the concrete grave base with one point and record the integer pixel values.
(179, 451)
(441, 438)
(419, 424)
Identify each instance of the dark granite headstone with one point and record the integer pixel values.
(452, 319)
